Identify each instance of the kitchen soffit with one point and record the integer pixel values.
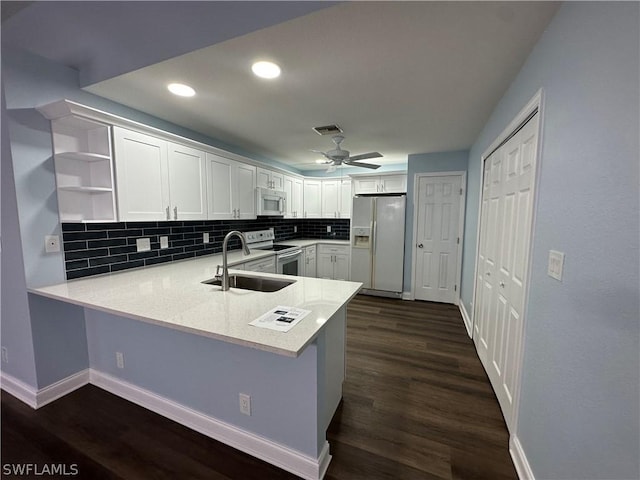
(398, 77)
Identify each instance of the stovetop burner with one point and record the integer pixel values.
(276, 247)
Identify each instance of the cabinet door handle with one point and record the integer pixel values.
(238, 213)
(168, 215)
(234, 213)
(175, 213)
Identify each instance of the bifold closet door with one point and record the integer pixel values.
(505, 233)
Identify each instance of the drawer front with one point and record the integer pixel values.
(265, 265)
(334, 249)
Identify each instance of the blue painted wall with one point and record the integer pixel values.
(207, 375)
(579, 407)
(15, 326)
(425, 163)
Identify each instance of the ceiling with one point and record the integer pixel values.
(398, 77)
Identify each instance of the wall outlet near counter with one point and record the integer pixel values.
(119, 360)
(164, 242)
(205, 237)
(245, 404)
(328, 228)
(143, 244)
(5, 355)
(51, 243)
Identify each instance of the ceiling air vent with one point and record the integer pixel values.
(328, 130)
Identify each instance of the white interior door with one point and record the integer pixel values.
(505, 232)
(437, 238)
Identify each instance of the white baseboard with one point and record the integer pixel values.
(407, 296)
(520, 459)
(60, 389)
(466, 318)
(23, 392)
(39, 398)
(279, 455)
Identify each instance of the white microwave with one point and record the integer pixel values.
(271, 202)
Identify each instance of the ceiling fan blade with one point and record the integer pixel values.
(358, 164)
(364, 156)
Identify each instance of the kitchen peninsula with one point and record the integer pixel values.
(185, 349)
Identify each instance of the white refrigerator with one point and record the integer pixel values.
(377, 243)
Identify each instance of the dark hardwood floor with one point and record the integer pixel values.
(417, 405)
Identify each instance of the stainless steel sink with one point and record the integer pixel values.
(258, 284)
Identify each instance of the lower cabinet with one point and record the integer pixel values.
(333, 261)
(264, 265)
(310, 261)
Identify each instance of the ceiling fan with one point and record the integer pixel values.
(339, 156)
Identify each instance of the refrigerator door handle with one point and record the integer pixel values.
(373, 237)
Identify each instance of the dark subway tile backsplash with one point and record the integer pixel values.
(97, 248)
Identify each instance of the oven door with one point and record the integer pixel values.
(290, 263)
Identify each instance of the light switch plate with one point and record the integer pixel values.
(164, 242)
(205, 237)
(556, 264)
(143, 244)
(328, 228)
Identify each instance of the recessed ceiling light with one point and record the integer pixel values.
(181, 89)
(321, 160)
(266, 69)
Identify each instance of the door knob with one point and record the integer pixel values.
(420, 245)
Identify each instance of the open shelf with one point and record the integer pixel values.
(84, 170)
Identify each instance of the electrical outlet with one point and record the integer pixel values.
(5, 355)
(205, 237)
(119, 360)
(143, 244)
(295, 229)
(328, 228)
(51, 243)
(164, 242)
(245, 404)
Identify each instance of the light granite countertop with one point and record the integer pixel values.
(173, 295)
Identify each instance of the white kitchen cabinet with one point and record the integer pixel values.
(372, 184)
(158, 180)
(293, 189)
(231, 188)
(336, 198)
(83, 170)
(310, 261)
(264, 265)
(187, 183)
(312, 198)
(142, 176)
(269, 179)
(333, 261)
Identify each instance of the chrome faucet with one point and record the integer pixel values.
(225, 270)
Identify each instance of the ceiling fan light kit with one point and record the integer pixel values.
(339, 156)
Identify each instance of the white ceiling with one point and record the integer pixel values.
(398, 77)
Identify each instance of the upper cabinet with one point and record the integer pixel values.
(312, 198)
(84, 170)
(372, 184)
(336, 198)
(232, 189)
(293, 188)
(269, 179)
(158, 180)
